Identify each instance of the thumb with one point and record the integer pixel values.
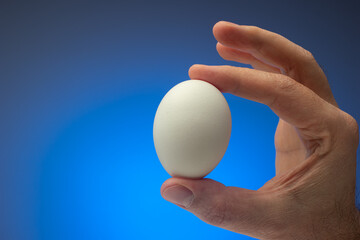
(235, 209)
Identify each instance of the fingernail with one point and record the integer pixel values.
(179, 195)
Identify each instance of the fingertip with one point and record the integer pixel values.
(193, 70)
(226, 52)
(215, 75)
(222, 30)
(217, 27)
(172, 182)
(219, 24)
(165, 185)
(218, 46)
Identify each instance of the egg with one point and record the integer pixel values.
(192, 129)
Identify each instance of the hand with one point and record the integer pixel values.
(312, 195)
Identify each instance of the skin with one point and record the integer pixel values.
(312, 195)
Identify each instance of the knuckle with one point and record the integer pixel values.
(351, 128)
(282, 84)
(308, 56)
(286, 84)
(346, 130)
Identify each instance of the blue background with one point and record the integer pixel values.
(79, 86)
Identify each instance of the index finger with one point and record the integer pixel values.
(291, 101)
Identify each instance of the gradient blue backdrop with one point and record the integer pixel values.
(79, 86)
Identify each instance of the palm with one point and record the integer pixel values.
(290, 150)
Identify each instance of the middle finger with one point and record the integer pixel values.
(275, 50)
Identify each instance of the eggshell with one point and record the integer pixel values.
(192, 129)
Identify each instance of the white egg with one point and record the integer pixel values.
(192, 129)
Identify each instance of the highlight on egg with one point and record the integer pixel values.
(192, 129)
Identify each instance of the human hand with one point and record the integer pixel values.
(312, 195)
